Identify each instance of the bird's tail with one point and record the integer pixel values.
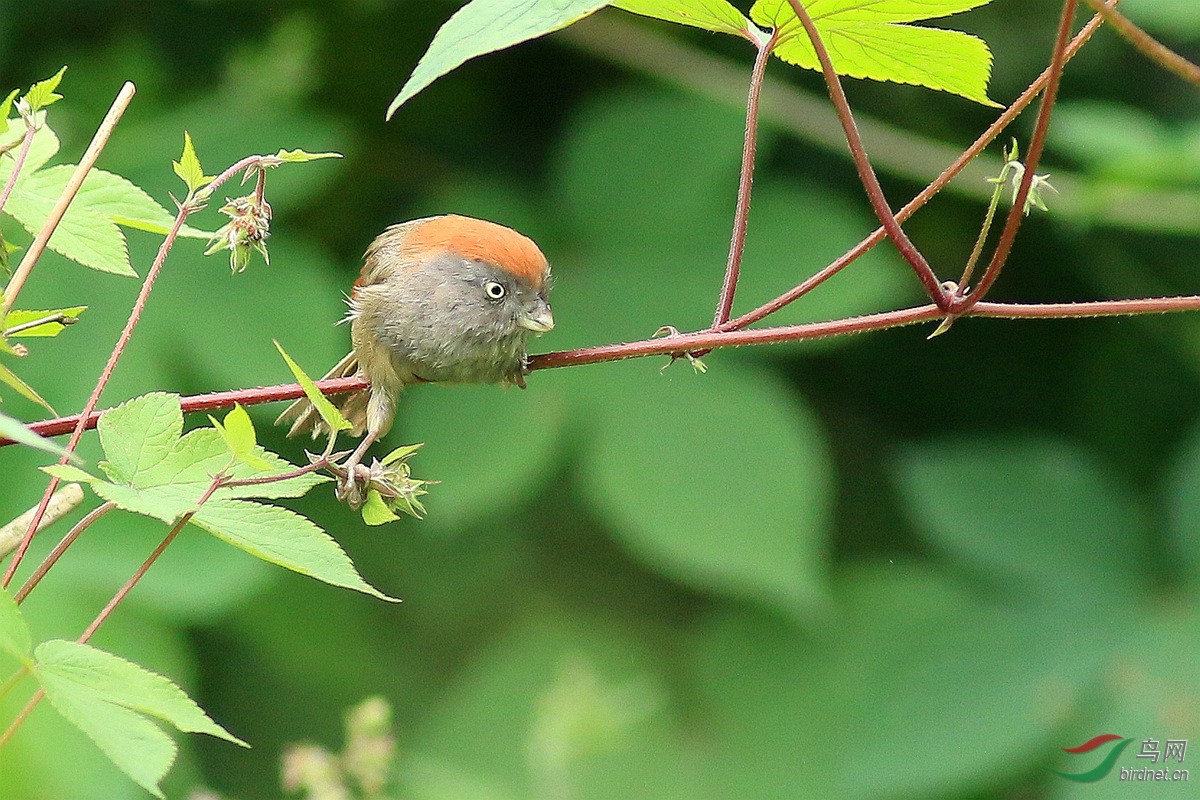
(353, 406)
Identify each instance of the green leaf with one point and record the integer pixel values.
(22, 388)
(712, 15)
(67, 472)
(329, 413)
(868, 40)
(16, 318)
(375, 511)
(115, 680)
(238, 434)
(200, 454)
(732, 495)
(17, 431)
(6, 109)
(138, 434)
(137, 746)
(14, 633)
(188, 166)
(88, 233)
(109, 698)
(485, 26)
(42, 93)
(299, 156)
(164, 503)
(283, 537)
(164, 473)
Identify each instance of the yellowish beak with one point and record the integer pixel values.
(538, 319)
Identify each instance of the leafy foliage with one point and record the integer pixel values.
(485, 26)
(188, 167)
(108, 698)
(872, 41)
(90, 232)
(155, 470)
(864, 41)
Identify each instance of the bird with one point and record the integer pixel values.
(442, 299)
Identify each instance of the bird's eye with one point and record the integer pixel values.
(494, 291)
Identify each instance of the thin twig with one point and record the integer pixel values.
(737, 244)
(1150, 47)
(960, 163)
(319, 464)
(866, 173)
(19, 163)
(111, 606)
(61, 548)
(988, 218)
(57, 317)
(90, 155)
(12, 681)
(1037, 142)
(20, 718)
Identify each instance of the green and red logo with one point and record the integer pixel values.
(1106, 764)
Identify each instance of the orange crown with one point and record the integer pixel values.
(480, 240)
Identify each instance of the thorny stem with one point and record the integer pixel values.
(690, 342)
(185, 209)
(723, 337)
(1037, 141)
(107, 125)
(986, 138)
(737, 244)
(866, 173)
(19, 164)
(1150, 47)
(59, 549)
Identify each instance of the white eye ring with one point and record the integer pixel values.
(494, 290)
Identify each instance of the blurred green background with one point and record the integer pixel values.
(877, 567)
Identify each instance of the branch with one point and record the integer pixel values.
(1036, 143)
(107, 125)
(870, 182)
(926, 194)
(691, 342)
(1150, 47)
(741, 215)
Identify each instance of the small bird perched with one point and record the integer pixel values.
(441, 299)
